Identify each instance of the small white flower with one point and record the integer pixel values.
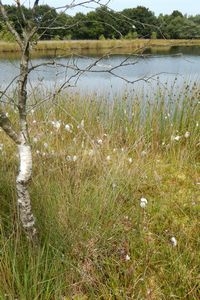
(173, 241)
(37, 152)
(32, 111)
(34, 121)
(46, 145)
(108, 158)
(187, 134)
(143, 202)
(127, 257)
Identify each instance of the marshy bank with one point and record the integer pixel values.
(93, 47)
(115, 191)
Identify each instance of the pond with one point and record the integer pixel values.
(110, 74)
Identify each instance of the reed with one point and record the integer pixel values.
(98, 46)
(94, 161)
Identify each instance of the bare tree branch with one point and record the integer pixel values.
(9, 25)
(35, 3)
(6, 125)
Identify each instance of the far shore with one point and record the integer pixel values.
(96, 46)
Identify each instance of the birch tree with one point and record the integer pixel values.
(20, 135)
(26, 39)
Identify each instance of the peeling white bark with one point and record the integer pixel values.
(25, 167)
(23, 178)
(21, 138)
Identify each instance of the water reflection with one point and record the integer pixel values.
(101, 75)
(174, 50)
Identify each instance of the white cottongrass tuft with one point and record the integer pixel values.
(143, 202)
(173, 241)
(127, 257)
(35, 139)
(143, 153)
(99, 142)
(56, 124)
(91, 152)
(81, 125)
(130, 160)
(114, 185)
(187, 134)
(72, 158)
(68, 128)
(175, 138)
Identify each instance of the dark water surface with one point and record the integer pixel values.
(101, 75)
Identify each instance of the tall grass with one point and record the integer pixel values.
(95, 46)
(93, 162)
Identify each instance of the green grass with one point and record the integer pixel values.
(86, 191)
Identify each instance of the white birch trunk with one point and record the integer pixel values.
(21, 138)
(24, 202)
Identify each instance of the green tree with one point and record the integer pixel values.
(143, 19)
(45, 19)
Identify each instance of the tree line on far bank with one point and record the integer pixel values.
(103, 23)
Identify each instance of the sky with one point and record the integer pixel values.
(189, 7)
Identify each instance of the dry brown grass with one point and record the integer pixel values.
(97, 46)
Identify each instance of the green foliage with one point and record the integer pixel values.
(131, 35)
(154, 35)
(5, 35)
(104, 22)
(102, 37)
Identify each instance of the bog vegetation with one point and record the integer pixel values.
(103, 23)
(116, 195)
